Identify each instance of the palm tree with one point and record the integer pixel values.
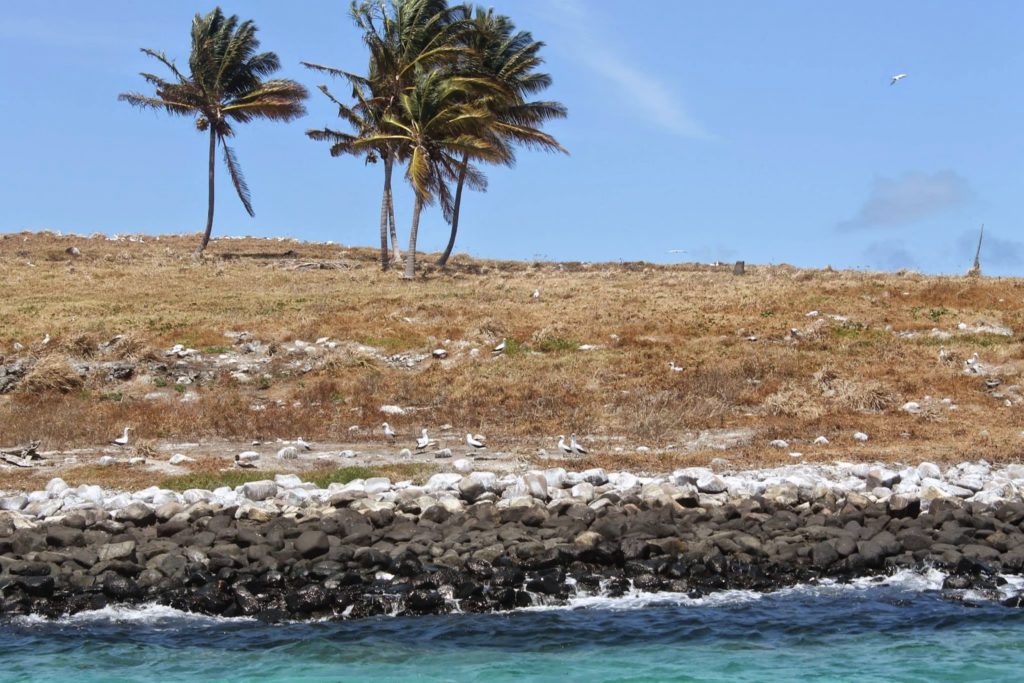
(437, 126)
(509, 59)
(403, 38)
(224, 85)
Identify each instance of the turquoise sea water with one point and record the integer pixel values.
(898, 631)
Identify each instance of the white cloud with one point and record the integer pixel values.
(651, 95)
(910, 198)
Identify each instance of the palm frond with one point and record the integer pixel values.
(237, 179)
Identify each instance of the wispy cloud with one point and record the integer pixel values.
(889, 255)
(910, 198)
(653, 97)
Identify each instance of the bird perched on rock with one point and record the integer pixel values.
(388, 431)
(244, 464)
(562, 445)
(575, 446)
(123, 439)
(475, 441)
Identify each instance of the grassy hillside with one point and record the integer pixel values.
(590, 355)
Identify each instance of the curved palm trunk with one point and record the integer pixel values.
(209, 210)
(397, 255)
(385, 202)
(410, 257)
(443, 261)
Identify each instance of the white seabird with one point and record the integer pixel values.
(123, 439)
(474, 441)
(244, 464)
(675, 368)
(301, 443)
(423, 441)
(562, 446)
(575, 446)
(897, 78)
(388, 431)
(499, 348)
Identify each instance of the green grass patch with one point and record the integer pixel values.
(392, 344)
(322, 477)
(216, 350)
(554, 344)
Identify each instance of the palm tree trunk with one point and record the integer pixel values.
(443, 261)
(209, 210)
(410, 257)
(394, 234)
(384, 202)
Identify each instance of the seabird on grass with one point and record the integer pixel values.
(475, 441)
(562, 446)
(500, 348)
(575, 446)
(897, 78)
(123, 439)
(388, 431)
(675, 368)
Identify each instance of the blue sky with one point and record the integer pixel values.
(728, 129)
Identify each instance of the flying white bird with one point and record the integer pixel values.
(897, 78)
(499, 348)
(562, 446)
(423, 441)
(123, 439)
(388, 431)
(575, 446)
(301, 443)
(474, 441)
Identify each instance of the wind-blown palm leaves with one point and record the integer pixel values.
(416, 36)
(224, 85)
(436, 126)
(508, 59)
(415, 47)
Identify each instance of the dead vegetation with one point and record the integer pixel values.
(590, 355)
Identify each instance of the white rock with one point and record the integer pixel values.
(912, 407)
(347, 453)
(376, 485)
(463, 465)
(287, 481)
(536, 485)
(258, 490)
(778, 443)
(405, 453)
(596, 476)
(392, 410)
(711, 484)
(860, 436)
(193, 496)
(178, 459)
(105, 461)
(288, 453)
(928, 470)
(584, 491)
(56, 486)
(443, 481)
(821, 441)
(248, 456)
(623, 481)
(556, 477)
(690, 475)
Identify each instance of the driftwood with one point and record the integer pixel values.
(21, 456)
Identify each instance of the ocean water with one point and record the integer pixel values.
(900, 629)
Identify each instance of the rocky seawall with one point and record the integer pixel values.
(284, 549)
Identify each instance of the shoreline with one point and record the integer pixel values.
(284, 550)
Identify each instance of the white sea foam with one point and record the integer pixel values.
(129, 614)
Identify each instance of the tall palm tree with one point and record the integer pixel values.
(437, 126)
(509, 59)
(404, 37)
(224, 84)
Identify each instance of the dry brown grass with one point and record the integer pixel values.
(640, 317)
